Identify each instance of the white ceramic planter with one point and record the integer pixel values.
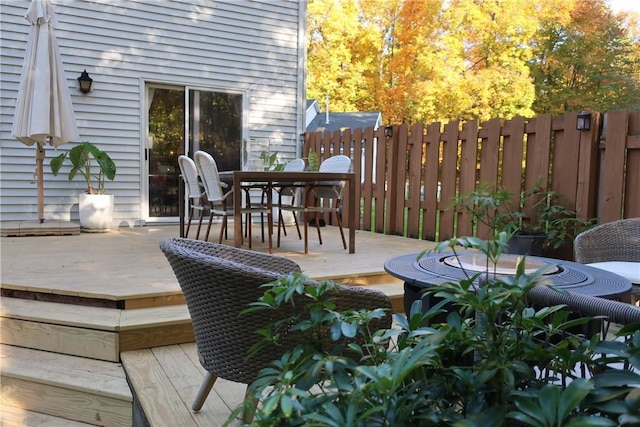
(96, 212)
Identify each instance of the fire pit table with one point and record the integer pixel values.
(433, 269)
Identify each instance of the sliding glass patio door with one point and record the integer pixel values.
(184, 120)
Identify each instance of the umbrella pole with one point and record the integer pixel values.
(40, 178)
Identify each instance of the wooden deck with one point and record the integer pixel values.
(111, 301)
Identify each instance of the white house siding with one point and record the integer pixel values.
(255, 47)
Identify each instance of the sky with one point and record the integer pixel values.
(617, 5)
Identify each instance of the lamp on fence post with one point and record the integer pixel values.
(583, 122)
(388, 131)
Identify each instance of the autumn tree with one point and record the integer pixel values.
(442, 60)
(341, 53)
(588, 62)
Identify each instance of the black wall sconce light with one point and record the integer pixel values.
(583, 122)
(85, 82)
(388, 131)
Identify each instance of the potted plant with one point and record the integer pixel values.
(550, 226)
(94, 166)
(496, 360)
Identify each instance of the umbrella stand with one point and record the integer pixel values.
(40, 180)
(44, 111)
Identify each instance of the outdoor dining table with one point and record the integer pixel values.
(273, 179)
(434, 269)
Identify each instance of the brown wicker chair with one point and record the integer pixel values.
(612, 241)
(218, 282)
(610, 314)
(586, 305)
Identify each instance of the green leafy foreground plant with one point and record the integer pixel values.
(496, 361)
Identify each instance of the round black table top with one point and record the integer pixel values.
(432, 269)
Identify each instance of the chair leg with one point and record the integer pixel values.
(269, 229)
(318, 227)
(223, 228)
(186, 232)
(250, 228)
(295, 221)
(206, 237)
(281, 219)
(204, 390)
(306, 234)
(201, 215)
(339, 219)
(263, 203)
(280, 226)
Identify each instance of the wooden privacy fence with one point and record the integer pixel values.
(410, 173)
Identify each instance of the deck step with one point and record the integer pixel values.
(395, 292)
(47, 383)
(11, 416)
(165, 381)
(362, 279)
(93, 332)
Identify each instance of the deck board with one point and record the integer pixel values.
(166, 380)
(127, 265)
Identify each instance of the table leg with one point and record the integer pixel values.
(353, 208)
(237, 211)
(269, 190)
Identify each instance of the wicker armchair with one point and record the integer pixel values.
(586, 305)
(612, 241)
(218, 282)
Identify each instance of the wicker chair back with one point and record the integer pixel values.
(208, 171)
(612, 241)
(219, 282)
(190, 176)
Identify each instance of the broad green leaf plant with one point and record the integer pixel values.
(81, 160)
(495, 361)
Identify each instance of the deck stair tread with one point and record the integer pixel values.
(11, 416)
(45, 382)
(94, 332)
(106, 319)
(361, 279)
(154, 316)
(166, 380)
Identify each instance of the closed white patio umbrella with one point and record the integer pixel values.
(44, 112)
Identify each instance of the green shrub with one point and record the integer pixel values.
(495, 362)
